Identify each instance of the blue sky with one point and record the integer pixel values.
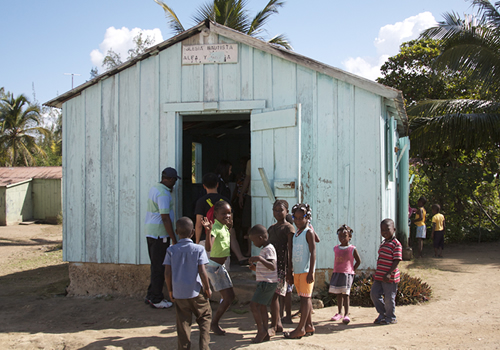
(43, 39)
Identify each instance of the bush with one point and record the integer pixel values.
(411, 290)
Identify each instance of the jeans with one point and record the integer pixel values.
(385, 306)
(157, 251)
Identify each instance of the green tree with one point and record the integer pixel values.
(94, 72)
(470, 46)
(412, 72)
(232, 14)
(113, 59)
(20, 125)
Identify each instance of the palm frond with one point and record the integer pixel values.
(455, 131)
(263, 16)
(172, 19)
(431, 108)
(230, 13)
(282, 41)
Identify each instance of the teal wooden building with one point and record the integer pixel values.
(315, 133)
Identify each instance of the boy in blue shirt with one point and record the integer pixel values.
(185, 275)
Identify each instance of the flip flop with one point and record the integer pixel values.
(336, 317)
(288, 336)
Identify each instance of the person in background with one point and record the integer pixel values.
(159, 234)
(438, 227)
(419, 221)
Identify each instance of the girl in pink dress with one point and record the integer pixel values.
(343, 272)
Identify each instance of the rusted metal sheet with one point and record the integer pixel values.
(13, 175)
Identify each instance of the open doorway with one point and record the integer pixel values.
(208, 139)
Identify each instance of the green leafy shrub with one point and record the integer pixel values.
(411, 290)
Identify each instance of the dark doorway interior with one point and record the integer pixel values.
(211, 138)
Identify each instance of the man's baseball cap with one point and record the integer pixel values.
(170, 172)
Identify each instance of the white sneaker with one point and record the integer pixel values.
(164, 304)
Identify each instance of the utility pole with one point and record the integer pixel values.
(72, 76)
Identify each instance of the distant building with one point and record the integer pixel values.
(30, 193)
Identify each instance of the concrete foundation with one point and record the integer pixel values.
(92, 279)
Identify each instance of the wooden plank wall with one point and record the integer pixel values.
(47, 198)
(118, 140)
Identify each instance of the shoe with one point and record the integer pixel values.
(346, 320)
(164, 304)
(378, 320)
(147, 301)
(385, 322)
(336, 317)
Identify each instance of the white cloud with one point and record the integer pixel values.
(121, 40)
(390, 37)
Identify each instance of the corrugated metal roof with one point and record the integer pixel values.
(13, 175)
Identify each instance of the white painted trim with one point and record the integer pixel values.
(18, 183)
(214, 106)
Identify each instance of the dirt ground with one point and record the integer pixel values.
(464, 312)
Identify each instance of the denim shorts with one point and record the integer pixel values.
(264, 293)
(421, 231)
(218, 276)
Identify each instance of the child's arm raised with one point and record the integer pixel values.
(311, 240)
(209, 240)
(357, 258)
(204, 280)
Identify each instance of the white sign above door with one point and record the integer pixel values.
(210, 53)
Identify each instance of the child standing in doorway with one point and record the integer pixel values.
(218, 243)
(280, 235)
(303, 264)
(267, 278)
(343, 272)
(419, 221)
(438, 226)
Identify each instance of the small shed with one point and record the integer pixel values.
(315, 133)
(30, 193)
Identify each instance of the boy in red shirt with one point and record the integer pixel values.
(387, 277)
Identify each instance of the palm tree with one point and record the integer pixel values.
(19, 126)
(232, 14)
(471, 46)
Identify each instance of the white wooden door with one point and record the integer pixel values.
(275, 149)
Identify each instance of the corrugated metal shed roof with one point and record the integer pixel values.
(13, 175)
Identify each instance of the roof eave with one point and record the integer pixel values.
(395, 96)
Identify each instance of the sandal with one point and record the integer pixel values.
(336, 317)
(288, 336)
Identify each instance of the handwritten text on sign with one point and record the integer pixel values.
(211, 53)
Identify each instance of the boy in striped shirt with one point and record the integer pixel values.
(267, 278)
(387, 277)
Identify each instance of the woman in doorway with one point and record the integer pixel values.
(224, 171)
